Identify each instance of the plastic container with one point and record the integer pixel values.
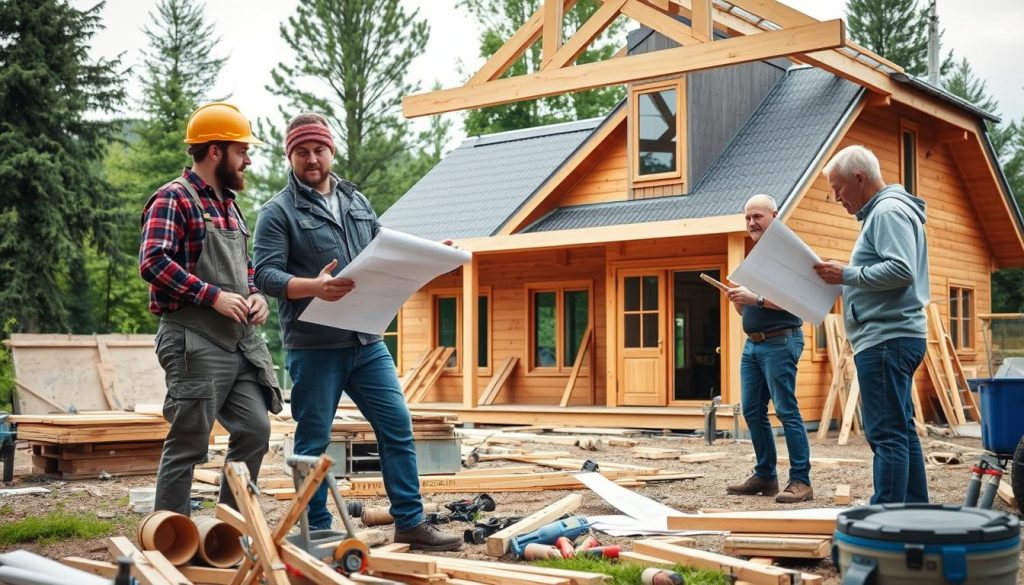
(140, 500)
(1002, 401)
(926, 544)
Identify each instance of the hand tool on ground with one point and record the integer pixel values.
(565, 546)
(590, 465)
(7, 437)
(479, 533)
(382, 515)
(608, 551)
(570, 528)
(348, 556)
(656, 576)
(539, 552)
(464, 510)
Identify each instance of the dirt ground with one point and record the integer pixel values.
(108, 499)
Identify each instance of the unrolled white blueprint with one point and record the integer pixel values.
(386, 273)
(781, 269)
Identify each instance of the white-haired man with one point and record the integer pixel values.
(774, 343)
(885, 289)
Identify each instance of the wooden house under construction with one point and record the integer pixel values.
(582, 304)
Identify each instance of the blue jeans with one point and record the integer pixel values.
(768, 372)
(885, 372)
(367, 374)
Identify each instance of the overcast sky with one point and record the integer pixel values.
(987, 32)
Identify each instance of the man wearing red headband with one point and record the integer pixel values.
(316, 225)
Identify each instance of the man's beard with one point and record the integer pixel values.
(321, 175)
(228, 177)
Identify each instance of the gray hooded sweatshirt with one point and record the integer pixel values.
(885, 286)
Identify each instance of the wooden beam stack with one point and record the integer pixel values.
(82, 446)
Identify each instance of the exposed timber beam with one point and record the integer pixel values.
(766, 45)
(577, 43)
(701, 21)
(552, 35)
(660, 22)
(514, 47)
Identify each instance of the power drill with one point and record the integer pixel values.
(570, 528)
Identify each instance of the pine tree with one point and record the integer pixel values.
(351, 62)
(499, 20)
(896, 30)
(178, 70)
(53, 198)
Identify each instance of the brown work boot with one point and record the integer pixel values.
(796, 491)
(426, 536)
(754, 486)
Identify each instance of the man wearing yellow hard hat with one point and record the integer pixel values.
(194, 256)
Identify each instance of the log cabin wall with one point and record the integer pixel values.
(959, 253)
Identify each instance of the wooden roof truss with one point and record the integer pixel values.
(559, 75)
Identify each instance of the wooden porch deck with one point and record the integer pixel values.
(639, 417)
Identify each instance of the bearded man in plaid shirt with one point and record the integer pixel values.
(195, 258)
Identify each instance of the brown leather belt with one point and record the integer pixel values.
(761, 336)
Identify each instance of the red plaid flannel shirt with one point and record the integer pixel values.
(173, 229)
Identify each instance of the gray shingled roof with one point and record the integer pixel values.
(770, 154)
(478, 186)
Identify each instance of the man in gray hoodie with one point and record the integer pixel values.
(885, 289)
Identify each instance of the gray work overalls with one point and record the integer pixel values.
(216, 369)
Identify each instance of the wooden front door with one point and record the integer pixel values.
(642, 352)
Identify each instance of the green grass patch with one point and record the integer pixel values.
(630, 574)
(52, 527)
(6, 510)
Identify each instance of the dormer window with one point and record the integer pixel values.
(658, 131)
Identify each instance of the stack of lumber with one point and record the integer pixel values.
(81, 446)
(433, 426)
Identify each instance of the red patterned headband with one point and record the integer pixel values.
(308, 133)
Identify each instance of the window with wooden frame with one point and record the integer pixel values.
(819, 342)
(961, 317)
(658, 132)
(908, 156)
(393, 340)
(447, 329)
(559, 316)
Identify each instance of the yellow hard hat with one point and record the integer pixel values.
(218, 121)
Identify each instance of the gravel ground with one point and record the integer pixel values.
(108, 499)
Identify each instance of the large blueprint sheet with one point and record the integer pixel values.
(781, 269)
(386, 273)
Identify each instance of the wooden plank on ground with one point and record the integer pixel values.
(574, 577)
(758, 545)
(771, 522)
(843, 497)
(498, 543)
(703, 457)
(733, 567)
